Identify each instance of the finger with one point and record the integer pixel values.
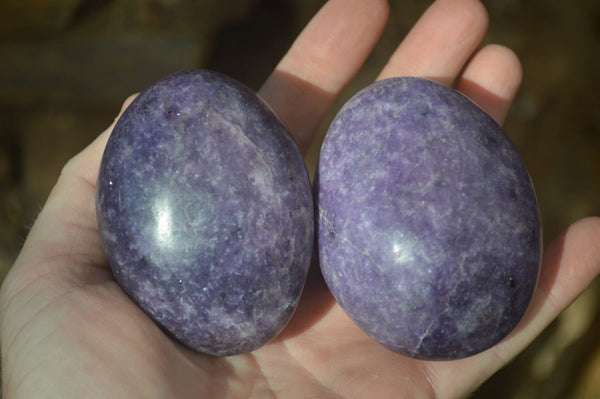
(570, 264)
(66, 227)
(85, 164)
(491, 79)
(441, 42)
(322, 60)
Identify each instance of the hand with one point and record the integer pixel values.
(68, 331)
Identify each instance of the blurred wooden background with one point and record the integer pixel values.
(67, 65)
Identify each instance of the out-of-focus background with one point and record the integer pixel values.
(67, 65)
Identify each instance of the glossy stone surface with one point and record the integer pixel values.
(428, 231)
(205, 210)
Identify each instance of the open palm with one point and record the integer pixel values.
(69, 331)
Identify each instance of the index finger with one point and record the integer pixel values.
(321, 62)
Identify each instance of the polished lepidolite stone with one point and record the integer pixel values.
(206, 214)
(428, 231)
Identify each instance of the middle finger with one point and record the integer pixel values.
(441, 42)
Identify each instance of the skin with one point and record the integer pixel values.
(68, 331)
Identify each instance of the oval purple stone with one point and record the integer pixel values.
(206, 214)
(429, 234)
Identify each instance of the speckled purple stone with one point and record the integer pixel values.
(206, 214)
(428, 231)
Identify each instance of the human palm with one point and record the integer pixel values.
(68, 330)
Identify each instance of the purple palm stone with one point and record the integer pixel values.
(206, 214)
(428, 230)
